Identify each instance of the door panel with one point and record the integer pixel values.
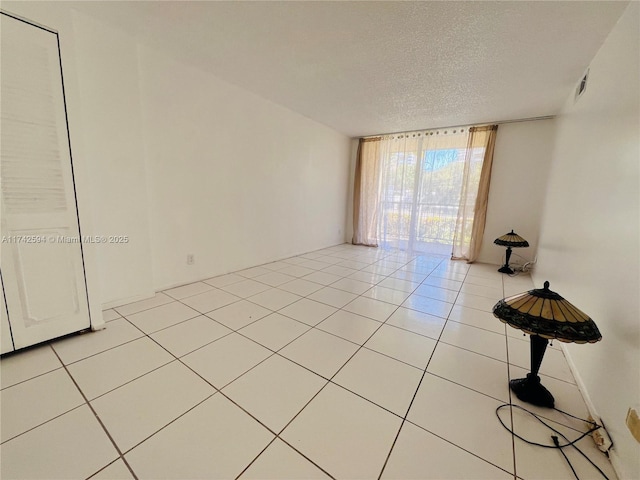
(41, 260)
(6, 343)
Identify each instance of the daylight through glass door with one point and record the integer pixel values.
(421, 187)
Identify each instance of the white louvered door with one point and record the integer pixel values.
(41, 259)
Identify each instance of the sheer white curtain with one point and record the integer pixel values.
(418, 190)
(421, 175)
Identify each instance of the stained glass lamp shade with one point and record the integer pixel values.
(510, 240)
(544, 315)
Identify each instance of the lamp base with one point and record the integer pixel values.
(505, 269)
(530, 390)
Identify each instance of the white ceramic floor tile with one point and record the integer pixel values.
(224, 280)
(157, 318)
(294, 260)
(475, 301)
(384, 294)
(27, 364)
(353, 286)
(367, 277)
(71, 446)
(477, 340)
(449, 275)
(275, 266)
(437, 293)
(371, 308)
(340, 270)
(315, 264)
(418, 454)
(492, 281)
(220, 440)
(464, 418)
(344, 434)
(135, 307)
(471, 370)
(190, 335)
(349, 326)
(442, 283)
(554, 364)
(417, 322)
(403, 274)
(189, 290)
(281, 462)
(476, 318)
(383, 380)
(151, 401)
(301, 287)
(253, 272)
(402, 345)
(428, 305)
(226, 359)
(494, 293)
(320, 352)
(275, 391)
(107, 370)
(79, 346)
(379, 270)
(397, 284)
(115, 471)
(535, 462)
(334, 297)
(274, 299)
(109, 315)
(296, 271)
(352, 265)
(246, 288)
(274, 331)
(211, 300)
(322, 278)
(274, 278)
(239, 314)
(23, 407)
(308, 311)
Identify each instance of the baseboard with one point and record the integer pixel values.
(278, 259)
(125, 301)
(613, 456)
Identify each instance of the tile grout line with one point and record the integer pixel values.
(95, 414)
(415, 393)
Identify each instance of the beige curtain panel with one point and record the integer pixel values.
(472, 213)
(366, 191)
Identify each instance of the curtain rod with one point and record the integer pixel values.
(530, 119)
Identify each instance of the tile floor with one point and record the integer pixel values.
(347, 362)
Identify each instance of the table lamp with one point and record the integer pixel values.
(544, 315)
(510, 240)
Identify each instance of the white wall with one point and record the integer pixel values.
(107, 68)
(182, 162)
(589, 245)
(234, 179)
(521, 162)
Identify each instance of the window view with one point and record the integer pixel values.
(421, 192)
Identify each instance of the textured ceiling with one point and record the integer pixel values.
(374, 67)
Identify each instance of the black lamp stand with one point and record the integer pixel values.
(505, 268)
(530, 389)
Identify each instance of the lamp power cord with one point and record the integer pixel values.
(554, 438)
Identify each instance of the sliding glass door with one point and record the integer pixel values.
(421, 187)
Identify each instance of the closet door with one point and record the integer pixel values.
(41, 260)
(6, 342)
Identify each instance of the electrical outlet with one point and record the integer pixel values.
(633, 423)
(190, 259)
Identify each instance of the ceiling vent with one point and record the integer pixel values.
(582, 86)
